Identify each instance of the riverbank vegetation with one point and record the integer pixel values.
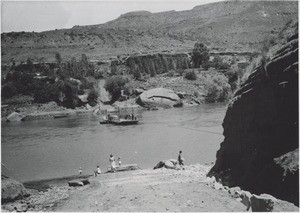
(198, 77)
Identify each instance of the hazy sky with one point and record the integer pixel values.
(49, 15)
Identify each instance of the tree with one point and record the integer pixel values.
(200, 54)
(58, 58)
(114, 85)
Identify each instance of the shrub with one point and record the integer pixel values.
(219, 64)
(114, 85)
(218, 89)
(190, 75)
(85, 84)
(206, 65)
(137, 74)
(46, 93)
(171, 73)
(180, 72)
(99, 74)
(9, 90)
(92, 97)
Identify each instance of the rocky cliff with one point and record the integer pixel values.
(260, 149)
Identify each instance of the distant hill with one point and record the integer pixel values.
(224, 26)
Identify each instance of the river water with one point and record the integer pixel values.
(43, 149)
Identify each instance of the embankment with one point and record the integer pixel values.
(260, 149)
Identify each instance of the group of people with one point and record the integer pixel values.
(113, 164)
(130, 117)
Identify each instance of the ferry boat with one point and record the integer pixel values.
(120, 116)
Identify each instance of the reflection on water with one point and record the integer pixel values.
(53, 148)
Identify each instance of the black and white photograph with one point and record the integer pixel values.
(149, 106)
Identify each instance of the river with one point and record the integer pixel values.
(43, 149)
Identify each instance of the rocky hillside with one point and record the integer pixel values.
(260, 149)
(228, 25)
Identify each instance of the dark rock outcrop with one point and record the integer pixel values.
(12, 190)
(260, 149)
(79, 182)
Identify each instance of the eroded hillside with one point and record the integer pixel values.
(232, 25)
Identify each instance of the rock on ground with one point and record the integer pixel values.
(159, 97)
(12, 190)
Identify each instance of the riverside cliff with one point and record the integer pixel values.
(260, 149)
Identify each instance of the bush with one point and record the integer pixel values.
(206, 65)
(9, 90)
(180, 72)
(99, 74)
(171, 73)
(92, 97)
(85, 84)
(234, 76)
(46, 93)
(218, 89)
(114, 85)
(137, 74)
(219, 64)
(190, 75)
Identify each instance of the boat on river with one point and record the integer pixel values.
(120, 116)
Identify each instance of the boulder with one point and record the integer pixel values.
(262, 203)
(79, 182)
(12, 190)
(160, 164)
(159, 97)
(169, 164)
(235, 192)
(266, 203)
(246, 196)
(15, 116)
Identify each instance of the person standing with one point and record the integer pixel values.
(112, 163)
(119, 162)
(180, 159)
(80, 171)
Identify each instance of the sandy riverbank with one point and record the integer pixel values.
(140, 190)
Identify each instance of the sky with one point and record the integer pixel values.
(49, 15)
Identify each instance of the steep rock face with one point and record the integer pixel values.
(260, 149)
(158, 63)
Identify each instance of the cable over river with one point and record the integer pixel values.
(43, 149)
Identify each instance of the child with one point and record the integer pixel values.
(98, 171)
